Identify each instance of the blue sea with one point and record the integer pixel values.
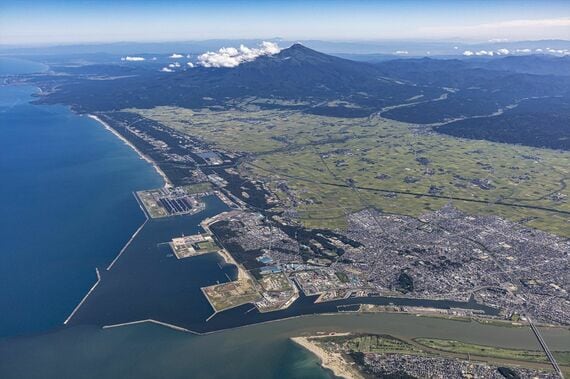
(67, 205)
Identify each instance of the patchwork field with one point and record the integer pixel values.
(323, 168)
(459, 347)
(454, 351)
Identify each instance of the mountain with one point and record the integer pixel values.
(296, 73)
(524, 99)
(533, 64)
(302, 73)
(477, 88)
(462, 74)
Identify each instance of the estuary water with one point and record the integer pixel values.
(256, 351)
(66, 206)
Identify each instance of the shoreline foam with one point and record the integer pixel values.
(167, 182)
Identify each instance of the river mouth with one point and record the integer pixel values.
(261, 350)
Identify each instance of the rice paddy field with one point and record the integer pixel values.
(325, 167)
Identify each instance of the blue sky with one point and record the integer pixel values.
(49, 21)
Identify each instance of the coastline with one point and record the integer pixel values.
(329, 360)
(242, 274)
(167, 182)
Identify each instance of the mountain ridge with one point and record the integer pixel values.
(297, 72)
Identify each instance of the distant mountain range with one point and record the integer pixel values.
(297, 73)
(368, 50)
(527, 98)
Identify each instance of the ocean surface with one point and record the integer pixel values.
(66, 205)
(15, 66)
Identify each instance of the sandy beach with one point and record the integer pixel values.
(167, 182)
(242, 274)
(329, 360)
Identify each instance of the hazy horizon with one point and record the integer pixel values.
(55, 22)
(277, 39)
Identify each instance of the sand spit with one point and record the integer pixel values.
(330, 360)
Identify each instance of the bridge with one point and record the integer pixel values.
(545, 348)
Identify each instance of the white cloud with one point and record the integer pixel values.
(498, 40)
(166, 69)
(401, 52)
(174, 65)
(190, 64)
(558, 51)
(132, 59)
(488, 53)
(232, 57)
(176, 56)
